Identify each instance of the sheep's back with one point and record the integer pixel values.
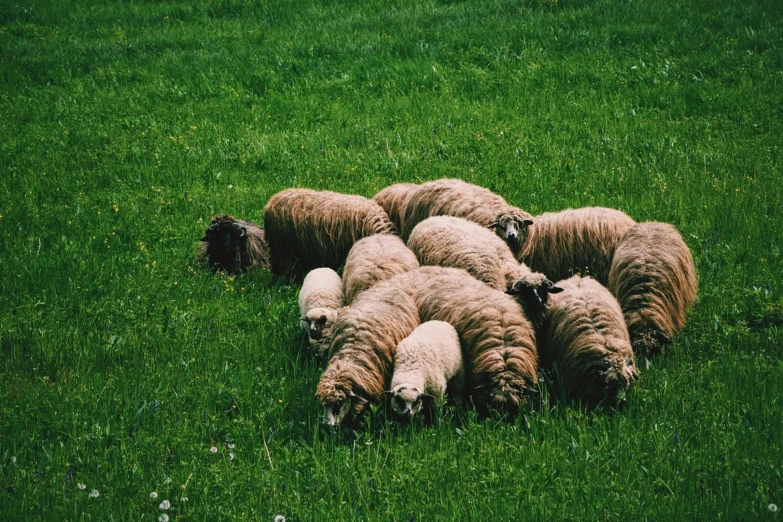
(575, 241)
(394, 200)
(321, 288)
(375, 259)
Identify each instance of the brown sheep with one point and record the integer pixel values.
(654, 278)
(585, 340)
(374, 259)
(307, 229)
(233, 245)
(454, 197)
(574, 241)
(394, 199)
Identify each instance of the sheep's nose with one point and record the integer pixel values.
(406, 412)
(315, 334)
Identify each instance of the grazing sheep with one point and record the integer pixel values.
(454, 197)
(427, 362)
(654, 279)
(364, 340)
(233, 245)
(320, 301)
(585, 340)
(498, 341)
(394, 200)
(574, 241)
(456, 242)
(307, 229)
(374, 259)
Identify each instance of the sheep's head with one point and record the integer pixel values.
(511, 227)
(340, 405)
(532, 291)
(225, 239)
(317, 322)
(607, 381)
(407, 400)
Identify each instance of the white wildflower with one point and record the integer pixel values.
(154, 495)
(94, 493)
(163, 518)
(165, 505)
(81, 485)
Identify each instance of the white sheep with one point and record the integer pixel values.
(427, 362)
(320, 301)
(374, 259)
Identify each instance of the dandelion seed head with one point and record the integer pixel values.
(167, 481)
(154, 495)
(279, 518)
(81, 485)
(94, 493)
(232, 446)
(213, 449)
(163, 518)
(165, 504)
(773, 508)
(230, 456)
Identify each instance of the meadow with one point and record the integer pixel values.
(135, 385)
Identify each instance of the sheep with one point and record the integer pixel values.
(394, 199)
(374, 259)
(654, 278)
(456, 242)
(426, 363)
(320, 301)
(454, 197)
(233, 245)
(585, 340)
(574, 241)
(307, 229)
(498, 341)
(364, 340)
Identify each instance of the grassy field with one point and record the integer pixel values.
(126, 369)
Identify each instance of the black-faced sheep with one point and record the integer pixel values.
(585, 340)
(374, 259)
(458, 243)
(575, 241)
(498, 341)
(427, 362)
(233, 245)
(307, 229)
(454, 197)
(320, 302)
(364, 340)
(654, 278)
(394, 200)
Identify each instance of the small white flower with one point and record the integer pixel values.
(232, 446)
(279, 518)
(163, 518)
(165, 505)
(94, 493)
(230, 456)
(773, 508)
(154, 495)
(81, 485)
(230, 187)
(183, 499)
(167, 481)
(213, 449)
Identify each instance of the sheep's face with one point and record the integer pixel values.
(317, 322)
(407, 400)
(511, 227)
(343, 409)
(335, 413)
(534, 295)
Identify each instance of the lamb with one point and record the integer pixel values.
(585, 340)
(454, 197)
(320, 301)
(374, 259)
(364, 341)
(307, 229)
(233, 245)
(459, 243)
(654, 278)
(394, 199)
(574, 241)
(498, 341)
(427, 362)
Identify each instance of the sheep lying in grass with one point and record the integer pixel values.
(320, 301)
(654, 278)
(427, 362)
(456, 242)
(394, 200)
(498, 341)
(454, 197)
(374, 259)
(585, 340)
(364, 340)
(307, 229)
(575, 241)
(234, 245)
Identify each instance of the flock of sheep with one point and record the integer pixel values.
(446, 289)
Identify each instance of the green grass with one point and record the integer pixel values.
(127, 125)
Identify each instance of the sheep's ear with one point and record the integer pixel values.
(242, 231)
(512, 291)
(357, 398)
(527, 222)
(554, 289)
